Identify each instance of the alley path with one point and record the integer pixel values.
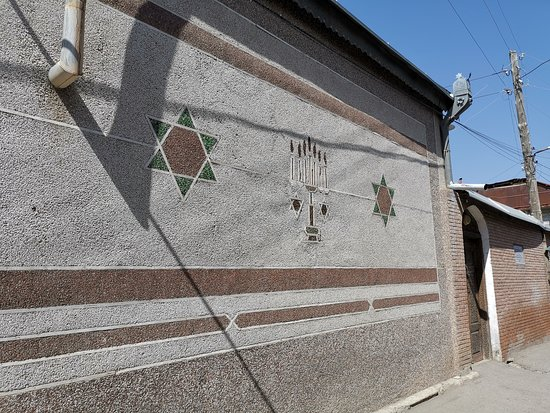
(523, 386)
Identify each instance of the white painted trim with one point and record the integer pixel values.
(75, 127)
(489, 283)
(107, 328)
(158, 145)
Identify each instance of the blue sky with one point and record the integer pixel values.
(430, 34)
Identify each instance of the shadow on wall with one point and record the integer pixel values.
(127, 172)
(132, 179)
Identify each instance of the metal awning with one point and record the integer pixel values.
(514, 213)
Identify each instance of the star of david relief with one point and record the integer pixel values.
(183, 152)
(384, 200)
(308, 177)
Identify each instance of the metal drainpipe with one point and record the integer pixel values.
(444, 130)
(69, 67)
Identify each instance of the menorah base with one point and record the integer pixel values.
(313, 234)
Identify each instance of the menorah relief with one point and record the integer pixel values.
(308, 173)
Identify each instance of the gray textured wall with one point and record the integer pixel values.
(248, 206)
(76, 191)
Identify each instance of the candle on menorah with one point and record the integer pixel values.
(323, 171)
(308, 165)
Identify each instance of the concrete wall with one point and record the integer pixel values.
(158, 251)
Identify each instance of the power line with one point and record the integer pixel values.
(470, 117)
(540, 172)
(496, 25)
(544, 176)
(538, 87)
(505, 71)
(489, 94)
(489, 75)
(474, 39)
(536, 67)
(540, 111)
(502, 151)
(497, 142)
(491, 146)
(508, 23)
(544, 166)
(506, 170)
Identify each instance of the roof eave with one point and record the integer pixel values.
(337, 19)
(505, 209)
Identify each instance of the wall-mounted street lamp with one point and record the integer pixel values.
(462, 99)
(535, 151)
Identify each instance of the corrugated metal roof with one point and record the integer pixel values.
(514, 181)
(514, 213)
(340, 21)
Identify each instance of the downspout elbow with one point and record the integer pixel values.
(69, 67)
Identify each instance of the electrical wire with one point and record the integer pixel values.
(538, 87)
(510, 155)
(508, 23)
(489, 75)
(503, 172)
(470, 117)
(495, 148)
(539, 172)
(505, 71)
(503, 154)
(544, 166)
(540, 111)
(488, 94)
(474, 39)
(544, 175)
(496, 25)
(496, 142)
(535, 68)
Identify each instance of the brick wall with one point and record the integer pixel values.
(461, 327)
(522, 290)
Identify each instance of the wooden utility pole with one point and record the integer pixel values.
(527, 149)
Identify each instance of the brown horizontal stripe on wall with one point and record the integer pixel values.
(299, 313)
(397, 301)
(173, 25)
(33, 348)
(45, 288)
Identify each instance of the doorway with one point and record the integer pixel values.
(477, 299)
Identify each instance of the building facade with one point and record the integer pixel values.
(240, 206)
(506, 271)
